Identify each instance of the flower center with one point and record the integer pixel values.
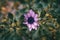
(30, 20)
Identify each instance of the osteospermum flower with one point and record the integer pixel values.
(31, 20)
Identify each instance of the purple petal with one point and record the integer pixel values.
(26, 17)
(29, 27)
(35, 23)
(32, 13)
(36, 19)
(25, 22)
(36, 15)
(34, 27)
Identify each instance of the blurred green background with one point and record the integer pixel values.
(12, 27)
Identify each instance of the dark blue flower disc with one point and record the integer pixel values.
(30, 20)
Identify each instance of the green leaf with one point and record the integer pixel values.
(10, 16)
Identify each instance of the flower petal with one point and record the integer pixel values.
(26, 17)
(35, 23)
(25, 22)
(29, 27)
(36, 15)
(34, 27)
(32, 13)
(36, 19)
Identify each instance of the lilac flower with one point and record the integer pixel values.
(31, 20)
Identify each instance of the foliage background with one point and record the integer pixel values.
(49, 15)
